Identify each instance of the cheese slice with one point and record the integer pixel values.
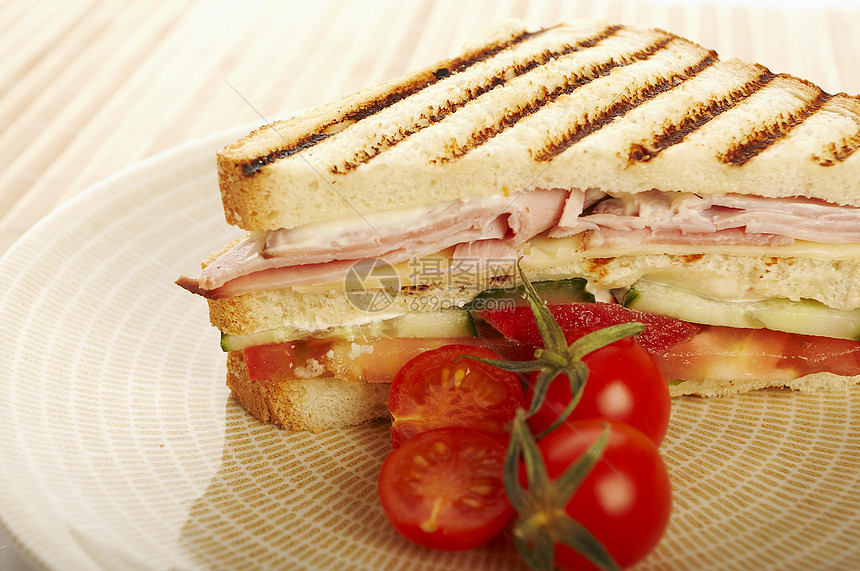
(545, 251)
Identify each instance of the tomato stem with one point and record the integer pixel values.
(540, 505)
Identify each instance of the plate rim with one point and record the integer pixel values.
(24, 545)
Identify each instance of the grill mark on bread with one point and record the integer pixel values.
(762, 137)
(384, 100)
(621, 107)
(571, 83)
(837, 152)
(254, 166)
(488, 83)
(696, 117)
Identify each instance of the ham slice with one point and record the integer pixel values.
(483, 250)
(704, 220)
(323, 252)
(803, 219)
(374, 235)
(273, 278)
(532, 213)
(653, 209)
(571, 221)
(394, 236)
(798, 227)
(492, 228)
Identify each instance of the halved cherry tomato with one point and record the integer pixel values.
(437, 389)
(626, 499)
(444, 488)
(624, 384)
(660, 333)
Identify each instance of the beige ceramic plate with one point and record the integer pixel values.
(121, 448)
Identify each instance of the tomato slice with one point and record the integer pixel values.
(374, 361)
(436, 389)
(626, 499)
(727, 354)
(660, 333)
(444, 488)
(624, 384)
(809, 353)
(274, 361)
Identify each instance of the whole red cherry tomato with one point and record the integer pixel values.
(625, 500)
(624, 384)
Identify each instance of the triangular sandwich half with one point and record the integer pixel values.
(716, 192)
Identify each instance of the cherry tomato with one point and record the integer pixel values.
(660, 333)
(444, 488)
(624, 384)
(434, 390)
(626, 499)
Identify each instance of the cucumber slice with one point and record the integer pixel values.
(571, 290)
(686, 305)
(438, 324)
(449, 323)
(806, 316)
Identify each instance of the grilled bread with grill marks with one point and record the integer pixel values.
(583, 104)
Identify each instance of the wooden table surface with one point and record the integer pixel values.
(89, 87)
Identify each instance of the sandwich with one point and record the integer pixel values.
(630, 165)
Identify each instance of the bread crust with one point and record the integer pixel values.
(719, 388)
(306, 404)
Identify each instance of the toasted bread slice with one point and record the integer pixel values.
(579, 105)
(306, 404)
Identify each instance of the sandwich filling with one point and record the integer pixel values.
(719, 329)
(582, 223)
